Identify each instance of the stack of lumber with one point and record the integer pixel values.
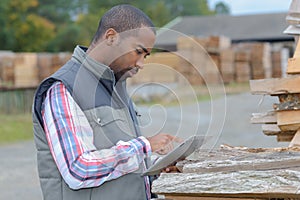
(216, 46)
(26, 70)
(6, 69)
(261, 64)
(242, 65)
(227, 65)
(253, 61)
(159, 67)
(201, 60)
(279, 59)
(59, 59)
(44, 64)
(193, 59)
(23, 70)
(209, 60)
(284, 120)
(48, 63)
(218, 43)
(234, 172)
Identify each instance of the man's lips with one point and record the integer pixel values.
(134, 70)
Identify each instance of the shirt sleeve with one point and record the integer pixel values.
(70, 138)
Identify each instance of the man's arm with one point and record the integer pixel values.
(70, 139)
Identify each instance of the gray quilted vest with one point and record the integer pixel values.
(110, 114)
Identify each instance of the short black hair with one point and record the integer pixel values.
(122, 18)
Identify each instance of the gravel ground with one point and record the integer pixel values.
(18, 173)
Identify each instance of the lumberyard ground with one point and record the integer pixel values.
(18, 172)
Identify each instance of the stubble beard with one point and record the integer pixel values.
(126, 73)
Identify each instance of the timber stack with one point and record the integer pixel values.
(284, 120)
(250, 173)
(234, 173)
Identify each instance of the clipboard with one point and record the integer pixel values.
(182, 151)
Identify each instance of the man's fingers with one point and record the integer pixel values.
(171, 169)
(166, 149)
(178, 140)
(162, 143)
(175, 139)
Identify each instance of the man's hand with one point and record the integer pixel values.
(171, 169)
(162, 143)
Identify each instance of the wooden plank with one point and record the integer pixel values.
(282, 136)
(242, 184)
(296, 140)
(271, 129)
(293, 66)
(264, 118)
(242, 70)
(217, 43)
(297, 51)
(265, 182)
(288, 120)
(277, 62)
(26, 70)
(285, 137)
(243, 56)
(232, 149)
(243, 161)
(172, 197)
(276, 86)
(291, 127)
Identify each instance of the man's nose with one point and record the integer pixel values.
(140, 62)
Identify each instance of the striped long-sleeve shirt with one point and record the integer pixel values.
(70, 138)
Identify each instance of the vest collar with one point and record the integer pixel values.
(99, 70)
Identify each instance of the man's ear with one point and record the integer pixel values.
(111, 37)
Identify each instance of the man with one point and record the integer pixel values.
(88, 142)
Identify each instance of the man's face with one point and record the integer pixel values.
(131, 52)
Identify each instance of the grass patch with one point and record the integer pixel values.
(15, 128)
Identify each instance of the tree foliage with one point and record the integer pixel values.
(58, 25)
(24, 30)
(222, 9)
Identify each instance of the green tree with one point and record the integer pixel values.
(59, 11)
(159, 13)
(6, 41)
(66, 38)
(33, 33)
(222, 8)
(22, 30)
(204, 9)
(87, 30)
(63, 14)
(189, 7)
(57, 25)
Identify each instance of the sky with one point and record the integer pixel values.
(244, 7)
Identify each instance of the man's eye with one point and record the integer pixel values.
(138, 51)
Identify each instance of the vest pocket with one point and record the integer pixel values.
(105, 118)
(109, 126)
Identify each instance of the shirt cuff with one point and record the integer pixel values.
(142, 145)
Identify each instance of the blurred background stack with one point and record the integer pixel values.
(284, 120)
